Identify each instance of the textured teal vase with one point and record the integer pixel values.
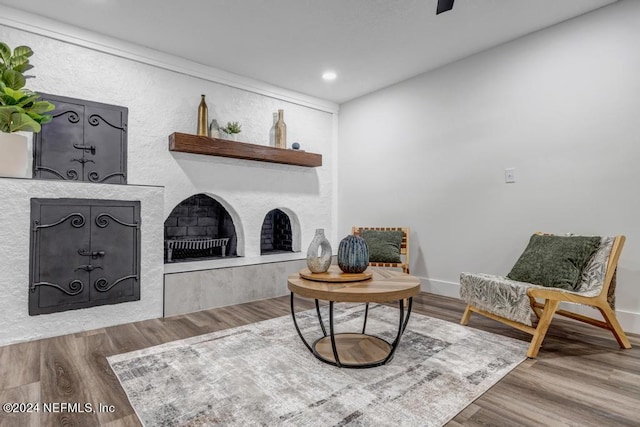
(353, 255)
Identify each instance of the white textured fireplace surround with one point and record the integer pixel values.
(15, 232)
(198, 285)
(187, 287)
(162, 93)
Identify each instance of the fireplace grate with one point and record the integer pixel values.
(195, 247)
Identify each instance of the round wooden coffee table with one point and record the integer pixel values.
(354, 349)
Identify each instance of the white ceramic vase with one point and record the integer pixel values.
(16, 154)
(319, 253)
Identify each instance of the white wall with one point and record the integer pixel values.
(561, 106)
(162, 94)
(162, 101)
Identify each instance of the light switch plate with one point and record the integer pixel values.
(510, 175)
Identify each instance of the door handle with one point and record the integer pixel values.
(82, 161)
(88, 267)
(86, 148)
(92, 254)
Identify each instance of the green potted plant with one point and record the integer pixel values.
(231, 130)
(20, 110)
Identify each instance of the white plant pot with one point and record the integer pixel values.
(16, 154)
(229, 136)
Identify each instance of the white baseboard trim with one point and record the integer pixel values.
(440, 287)
(630, 321)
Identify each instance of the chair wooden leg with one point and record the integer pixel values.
(466, 315)
(550, 307)
(536, 309)
(614, 326)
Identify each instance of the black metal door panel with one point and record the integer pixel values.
(114, 241)
(55, 155)
(85, 141)
(83, 253)
(105, 131)
(57, 280)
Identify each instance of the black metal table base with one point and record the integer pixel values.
(335, 360)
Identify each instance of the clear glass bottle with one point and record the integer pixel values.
(272, 131)
(214, 129)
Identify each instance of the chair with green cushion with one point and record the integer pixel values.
(388, 246)
(553, 269)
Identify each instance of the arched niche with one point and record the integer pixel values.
(280, 232)
(202, 227)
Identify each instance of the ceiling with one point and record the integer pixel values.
(370, 44)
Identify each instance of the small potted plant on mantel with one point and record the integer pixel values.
(231, 131)
(21, 113)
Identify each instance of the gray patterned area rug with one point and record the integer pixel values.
(262, 374)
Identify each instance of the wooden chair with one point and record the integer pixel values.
(404, 247)
(552, 298)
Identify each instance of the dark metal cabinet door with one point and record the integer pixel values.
(55, 152)
(83, 253)
(115, 241)
(105, 131)
(58, 280)
(85, 141)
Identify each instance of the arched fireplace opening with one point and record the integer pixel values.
(277, 233)
(199, 228)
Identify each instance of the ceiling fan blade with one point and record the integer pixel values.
(444, 5)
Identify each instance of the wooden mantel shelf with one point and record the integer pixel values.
(186, 143)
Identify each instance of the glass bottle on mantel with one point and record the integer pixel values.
(281, 131)
(272, 131)
(203, 118)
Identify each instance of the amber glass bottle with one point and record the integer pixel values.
(281, 131)
(203, 118)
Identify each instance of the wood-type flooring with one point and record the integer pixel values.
(580, 377)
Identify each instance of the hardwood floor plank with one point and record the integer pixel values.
(626, 382)
(62, 383)
(129, 421)
(531, 401)
(89, 333)
(580, 377)
(488, 417)
(19, 364)
(99, 379)
(26, 394)
(208, 321)
(585, 389)
(156, 332)
(127, 338)
(465, 415)
(182, 326)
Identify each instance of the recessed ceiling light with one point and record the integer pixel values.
(329, 75)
